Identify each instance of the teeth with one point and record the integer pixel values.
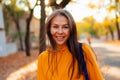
(59, 38)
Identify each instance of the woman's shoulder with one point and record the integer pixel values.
(88, 51)
(86, 46)
(43, 54)
(91, 62)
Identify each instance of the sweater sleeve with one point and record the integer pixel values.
(40, 73)
(94, 72)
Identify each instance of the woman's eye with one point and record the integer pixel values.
(55, 26)
(66, 27)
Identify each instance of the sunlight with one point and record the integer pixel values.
(98, 15)
(46, 2)
(80, 9)
(32, 3)
(36, 12)
(58, 1)
(20, 73)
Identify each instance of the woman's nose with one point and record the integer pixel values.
(60, 30)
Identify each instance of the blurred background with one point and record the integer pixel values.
(22, 34)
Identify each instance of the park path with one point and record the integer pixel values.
(109, 59)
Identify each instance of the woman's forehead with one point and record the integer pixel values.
(59, 19)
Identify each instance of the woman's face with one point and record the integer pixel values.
(59, 29)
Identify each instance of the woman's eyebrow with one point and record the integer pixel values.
(58, 24)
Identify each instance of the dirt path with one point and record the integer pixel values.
(109, 58)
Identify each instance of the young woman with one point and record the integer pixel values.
(62, 60)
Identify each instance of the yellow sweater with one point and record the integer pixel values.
(58, 66)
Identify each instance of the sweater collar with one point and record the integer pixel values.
(60, 48)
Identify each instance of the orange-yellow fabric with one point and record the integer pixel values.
(58, 66)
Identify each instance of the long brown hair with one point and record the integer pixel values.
(72, 42)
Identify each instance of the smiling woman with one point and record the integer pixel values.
(62, 59)
(60, 29)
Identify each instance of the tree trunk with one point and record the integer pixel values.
(111, 32)
(19, 34)
(117, 24)
(62, 4)
(42, 37)
(117, 27)
(27, 36)
(106, 35)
